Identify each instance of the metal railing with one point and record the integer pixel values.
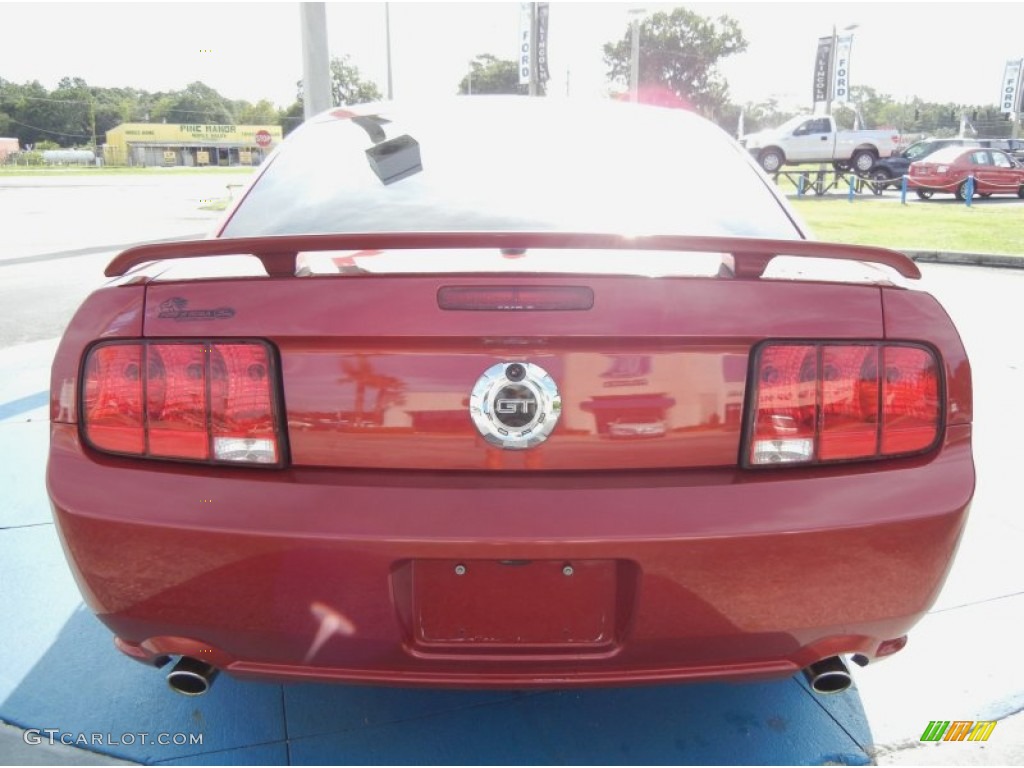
(821, 181)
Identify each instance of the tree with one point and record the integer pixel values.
(489, 74)
(260, 113)
(6, 107)
(347, 85)
(39, 115)
(757, 116)
(291, 118)
(198, 103)
(678, 53)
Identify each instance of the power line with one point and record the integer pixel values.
(42, 98)
(55, 133)
(207, 113)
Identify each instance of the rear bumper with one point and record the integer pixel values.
(352, 576)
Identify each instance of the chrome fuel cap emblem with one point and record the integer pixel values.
(515, 405)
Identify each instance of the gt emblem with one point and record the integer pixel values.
(515, 405)
(512, 406)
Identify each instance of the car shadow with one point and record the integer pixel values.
(97, 699)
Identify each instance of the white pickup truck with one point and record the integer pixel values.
(814, 139)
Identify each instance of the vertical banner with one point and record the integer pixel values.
(841, 78)
(1010, 95)
(739, 126)
(542, 42)
(822, 70)
(525, 25)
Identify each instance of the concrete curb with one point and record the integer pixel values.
(970, 259)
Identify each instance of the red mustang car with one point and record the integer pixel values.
(993, 172)
(510, 393)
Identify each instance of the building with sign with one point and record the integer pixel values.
(167, 144)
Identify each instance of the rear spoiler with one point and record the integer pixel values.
(745, 257)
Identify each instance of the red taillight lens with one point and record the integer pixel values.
(910, 399)
(821, 402)
(176, 401)
(200, 401)
(784, 423)
(112, 395)
(241, 411)
(849, 403)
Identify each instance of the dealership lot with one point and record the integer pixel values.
(62, 672)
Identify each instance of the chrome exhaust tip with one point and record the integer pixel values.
(191, 677)
(829, 675)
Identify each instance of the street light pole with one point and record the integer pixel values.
(316, 65)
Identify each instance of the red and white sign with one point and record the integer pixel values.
(263, 139)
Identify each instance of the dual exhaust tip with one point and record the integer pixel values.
(192, 677)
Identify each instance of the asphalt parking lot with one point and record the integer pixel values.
(60, 671)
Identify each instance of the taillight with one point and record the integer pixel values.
(204, 401)
(819, 402)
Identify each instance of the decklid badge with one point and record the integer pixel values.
(515, 405)
(174, 309)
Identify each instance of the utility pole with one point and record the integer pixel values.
(316, 67)
(92, 119)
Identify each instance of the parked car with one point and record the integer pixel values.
(1013, 147)
(993, 172)
(895, 167)
(817, 139)
(375, 444)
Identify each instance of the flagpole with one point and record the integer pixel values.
(533, 49)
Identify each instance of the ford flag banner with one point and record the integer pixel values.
(841, 77)
(525, 28)
(542, 42)
(821, 69)
(1010, 94)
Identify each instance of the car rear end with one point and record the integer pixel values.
(942, 171)
(509, 459)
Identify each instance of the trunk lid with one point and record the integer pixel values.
(376, 374)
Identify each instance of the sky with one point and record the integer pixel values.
(944, 52)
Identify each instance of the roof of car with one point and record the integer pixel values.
(951, 154)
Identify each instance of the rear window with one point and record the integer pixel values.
(519, 164)
(946, 155)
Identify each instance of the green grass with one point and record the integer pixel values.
(941, 225)
(216, 205)
(42, 170)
